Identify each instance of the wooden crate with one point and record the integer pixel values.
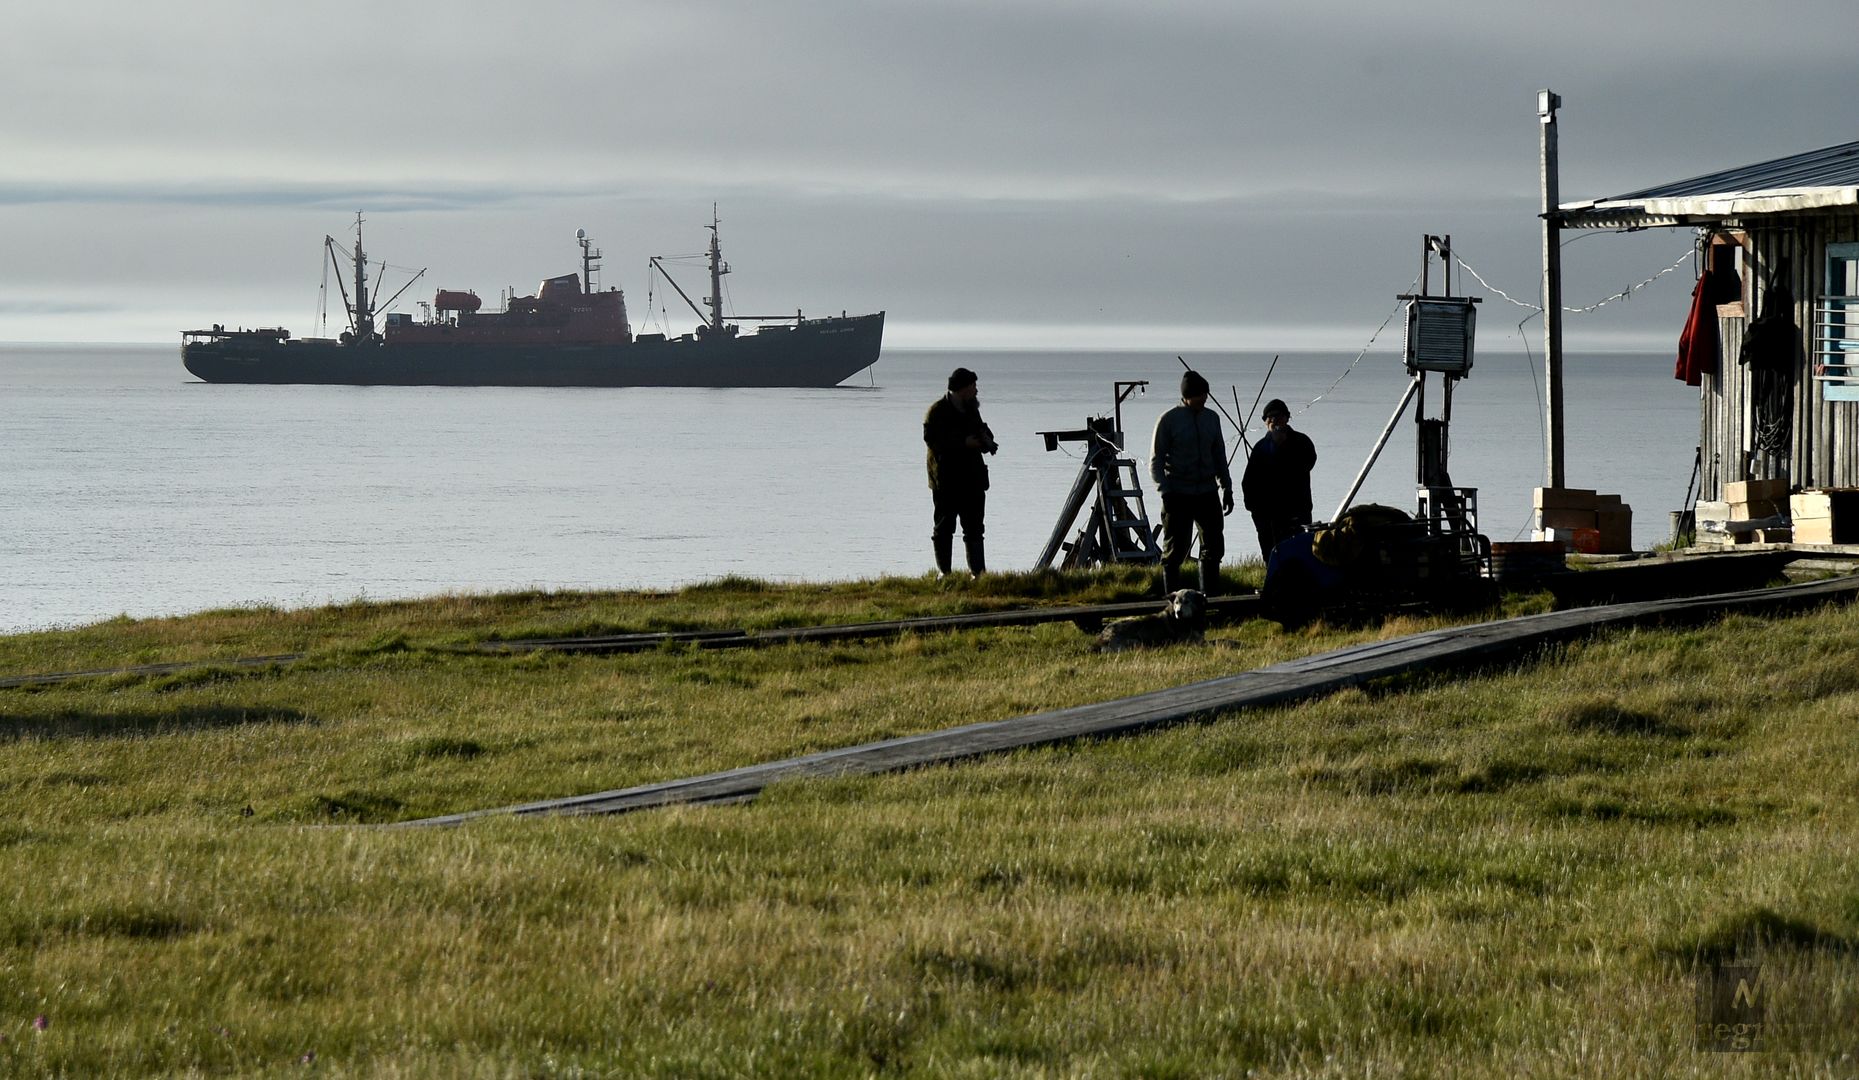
(1825, 516)
(1616, 527)
(1565, 518)
(1757, 509)
(1564, 499)
(1749, 491)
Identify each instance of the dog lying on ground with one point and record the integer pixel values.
(1182, 620)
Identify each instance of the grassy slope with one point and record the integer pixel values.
(1514, 873)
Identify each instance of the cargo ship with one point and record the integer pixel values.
(570, 333)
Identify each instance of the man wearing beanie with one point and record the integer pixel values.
(958, 478)
(1187, 460)
(1277, 480)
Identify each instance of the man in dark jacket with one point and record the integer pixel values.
(1187, 461)
(958, 478)
(1277, 479)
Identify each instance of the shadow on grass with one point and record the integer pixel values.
(140, 723)
(1754, 932)
(133, 922)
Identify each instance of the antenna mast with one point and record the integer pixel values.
(590, 260)
(364, 315)
(717, 269)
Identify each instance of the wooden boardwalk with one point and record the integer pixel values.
(1613, 584)
(1224, 608)
(1459, 647)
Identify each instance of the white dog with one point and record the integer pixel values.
(1182, 620)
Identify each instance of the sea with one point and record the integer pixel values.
(129, 488)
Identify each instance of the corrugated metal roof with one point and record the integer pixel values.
(1818, 178)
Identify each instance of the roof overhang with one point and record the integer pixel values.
(1817, 180)
(1704, 209)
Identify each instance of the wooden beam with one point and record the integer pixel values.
(1460, 647)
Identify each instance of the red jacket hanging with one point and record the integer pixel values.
(1697, 346)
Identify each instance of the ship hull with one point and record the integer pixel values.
(822, 352)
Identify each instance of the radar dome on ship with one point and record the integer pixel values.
(456, 300)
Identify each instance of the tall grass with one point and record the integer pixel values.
(1520, 873)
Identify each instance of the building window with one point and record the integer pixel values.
(1836, 326)
(1726, 255)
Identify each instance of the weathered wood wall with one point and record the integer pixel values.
(1823, 449)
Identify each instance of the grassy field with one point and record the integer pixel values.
(1525, 872)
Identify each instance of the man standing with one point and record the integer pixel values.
(1187, 461)
(1277, 480)
(958, 478)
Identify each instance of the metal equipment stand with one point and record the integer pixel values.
(1118, 530)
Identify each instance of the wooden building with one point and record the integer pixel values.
(1778, 244)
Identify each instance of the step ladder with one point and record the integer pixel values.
(1118, 530)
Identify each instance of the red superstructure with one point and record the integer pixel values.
(564, 311)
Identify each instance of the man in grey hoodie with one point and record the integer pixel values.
(1187, 460)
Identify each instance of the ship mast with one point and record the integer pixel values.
(364, 315)
(717, 269)
(590, 260)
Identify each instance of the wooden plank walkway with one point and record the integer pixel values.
(1452, 647)
(1227, 608)
(1627, 581)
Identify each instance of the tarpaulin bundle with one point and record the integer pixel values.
(1697, 345)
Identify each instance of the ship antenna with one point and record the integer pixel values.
(364, 315)
(590, 260)
(717, 269)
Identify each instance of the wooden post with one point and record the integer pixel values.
(1547, 103)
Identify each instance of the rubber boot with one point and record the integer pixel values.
(977, 562)
(945, 554)
(1210, 578)
(1171, 579)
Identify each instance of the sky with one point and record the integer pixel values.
(1174, 174)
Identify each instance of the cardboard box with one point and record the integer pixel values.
(1564, 499)
(1825, 516)
(1755, 491)
(1565, 519)
(1616, 528)
(1813, 531)
(1757, 509)
(1711, 512)
(1810, 505)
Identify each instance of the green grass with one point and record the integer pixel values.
(1516, 873)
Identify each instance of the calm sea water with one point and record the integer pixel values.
(127, 487)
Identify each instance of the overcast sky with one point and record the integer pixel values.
(1172, 174)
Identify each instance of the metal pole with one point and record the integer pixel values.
(1246, 428)
(1412, 389)
(1547, 103)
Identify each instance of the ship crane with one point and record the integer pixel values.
(361, 312)
(712, 320)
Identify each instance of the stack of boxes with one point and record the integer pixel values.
(1584, 520)
(1825, 517)
(1751, 512)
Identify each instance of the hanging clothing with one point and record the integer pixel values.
(1697, 345)
(1771, 350)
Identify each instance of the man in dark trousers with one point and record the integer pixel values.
(1187, 461)
(1277, 479)
(958, 478)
